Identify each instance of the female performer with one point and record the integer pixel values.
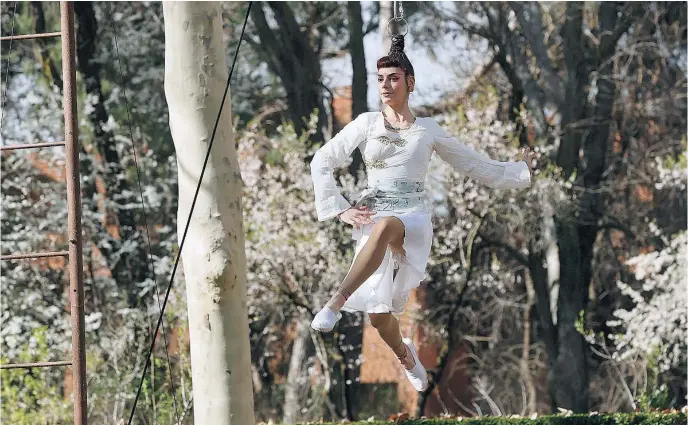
(392, 218)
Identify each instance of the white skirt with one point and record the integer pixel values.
(383, 292)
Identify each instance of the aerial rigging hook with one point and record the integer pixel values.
(398, 20)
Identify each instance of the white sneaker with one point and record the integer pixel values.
(417, 375)
(325, 320)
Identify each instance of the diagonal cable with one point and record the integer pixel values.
(188, 221)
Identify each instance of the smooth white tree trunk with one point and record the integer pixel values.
(213, 257)
(549, 237)
(386, 13)
(295, 375)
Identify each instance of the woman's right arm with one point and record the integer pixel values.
(329, 202)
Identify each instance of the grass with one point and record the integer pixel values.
(658, 418)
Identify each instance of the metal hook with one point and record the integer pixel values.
(399, 20)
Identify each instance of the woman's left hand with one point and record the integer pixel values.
(528, 156)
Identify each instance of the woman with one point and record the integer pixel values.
(392, 219)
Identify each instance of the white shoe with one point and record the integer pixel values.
(325, 320)
(417, 375)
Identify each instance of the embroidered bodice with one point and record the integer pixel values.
(404, 156)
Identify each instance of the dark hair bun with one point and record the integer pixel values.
(397, 44)
(396, 56)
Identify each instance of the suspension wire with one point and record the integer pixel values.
(188, 221)
(7, 71)
(401, 10)
(145, 218)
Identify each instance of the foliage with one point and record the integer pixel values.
(476, 286)
(33, 396)
(292, 264)
(656, 326)
(489, 245)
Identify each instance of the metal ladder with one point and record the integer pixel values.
(74, 254)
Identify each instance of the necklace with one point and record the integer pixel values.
(390, 126)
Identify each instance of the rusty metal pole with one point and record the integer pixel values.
(76, 279)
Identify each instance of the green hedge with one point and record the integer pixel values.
(579, 419)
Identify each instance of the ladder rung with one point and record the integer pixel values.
(35, 255)
(31, 146)
(30, 36)
(37, 364)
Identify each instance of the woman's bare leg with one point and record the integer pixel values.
(388, 327)
(388, 231)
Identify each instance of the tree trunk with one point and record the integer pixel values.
(573, 109)
(569, 374)
(569, 378)
(292, 404)
(132, 267)
(359, 84)
(214, 259)
(577, 232)
(543, 263)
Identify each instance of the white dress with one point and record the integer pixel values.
(396, 166)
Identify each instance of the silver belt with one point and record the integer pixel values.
(401, 195)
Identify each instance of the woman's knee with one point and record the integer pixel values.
(380, 320)
(389, 229)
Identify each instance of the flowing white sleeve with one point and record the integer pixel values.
(329, 202)
(496, 174)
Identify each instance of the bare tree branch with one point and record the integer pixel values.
(529, 15)
(512, 251)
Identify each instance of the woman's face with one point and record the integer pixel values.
(393, 87)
